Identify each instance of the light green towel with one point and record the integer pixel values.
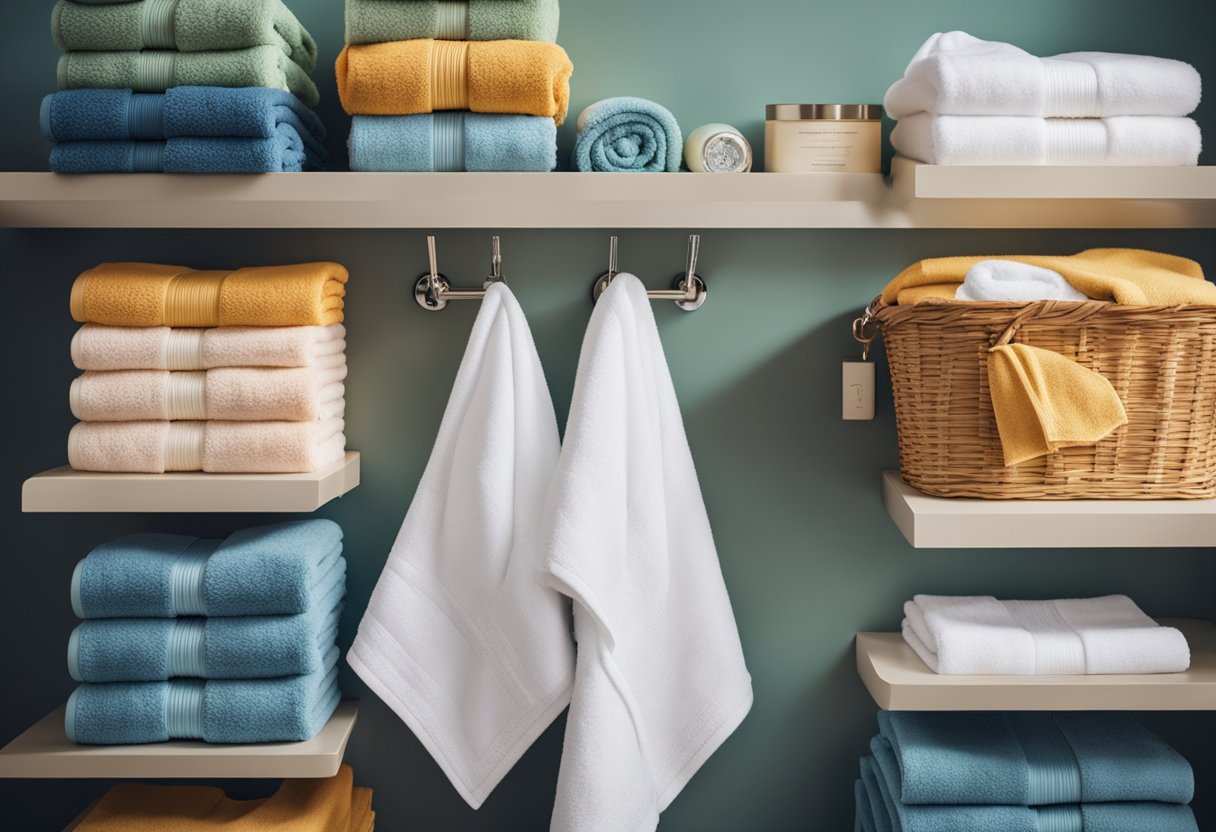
(378, 21)
(184, 25)
(158, 70)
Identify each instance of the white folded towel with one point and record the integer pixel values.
(1084, 636)
(1009, 280)
(957, 74)
(1022, 140)
(660, 681)
(97, 347)
(461, 639)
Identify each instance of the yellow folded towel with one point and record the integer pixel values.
(1126, 276)
(329, 805)
(423, 76)
(143, 294)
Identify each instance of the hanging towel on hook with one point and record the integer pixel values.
(660, 680)
(461, 639)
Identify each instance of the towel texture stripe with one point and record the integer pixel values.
(158, 26)
(1055, 776)
(155, 70)
(186, 578)
(450, 75)
(1059, 819)
(452, 22)
(447, 141)
(184, 709)
(187, 648)
(145, 115)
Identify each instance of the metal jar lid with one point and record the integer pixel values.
(823, 112)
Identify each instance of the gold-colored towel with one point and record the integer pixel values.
(423, 76)
(1126, 276)
(144, 294)
(328, 805)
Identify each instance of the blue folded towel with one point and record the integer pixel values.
(896, 816)
(281, 569)
(1030, 759)
(628, 134)
(244, 647)
(291, 709)
(453, 141)
(286, 153)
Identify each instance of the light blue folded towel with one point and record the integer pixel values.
(453, 141)
(281, 569)
(628, 134)
(1031, 759)
(285, 153)
(291, 709)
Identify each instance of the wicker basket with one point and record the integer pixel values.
(1161, 360)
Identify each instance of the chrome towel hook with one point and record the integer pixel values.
(432, 291)
(688, 290)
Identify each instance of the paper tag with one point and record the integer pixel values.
(857, 390)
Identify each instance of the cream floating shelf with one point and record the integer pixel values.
(66, 490)
(44, 752)
(899, 681)
(918, 196)
(942, 523)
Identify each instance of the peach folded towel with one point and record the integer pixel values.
(214, 447)
(96, 347)
(424, 76)
(333, 804)
(237, 394)
(145, 294)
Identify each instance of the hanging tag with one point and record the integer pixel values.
(857, 390)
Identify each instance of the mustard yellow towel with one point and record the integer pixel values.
(1044, 402)
(324, 805)
(1126, 276)
(143, 294)
(423, 76)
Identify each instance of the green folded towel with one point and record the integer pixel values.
(158, 70)
(378, 21)
(184, 25)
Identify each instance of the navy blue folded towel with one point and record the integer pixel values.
(286, 153)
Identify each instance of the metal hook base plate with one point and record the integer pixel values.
(426, 298)
(600, 286)
(702, 292)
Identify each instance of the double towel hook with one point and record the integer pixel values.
(432, 291)
(688, 291)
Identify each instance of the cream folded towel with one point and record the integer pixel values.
(954, 73)
(1022, 140)
(97, 347)
(1011, 281)
(660, 681)
(461, 639)
(235, 394)
(980, 635)
(215, 447)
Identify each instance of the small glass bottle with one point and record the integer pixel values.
(717, 148)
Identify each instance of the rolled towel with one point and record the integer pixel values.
(380, 21)
(214, 447)
(144, 294)
(96, 347)
(280, 569)
(984, 758)
(453, 141)
(237, 394)
(290, 709)
(287, 152)
(1011, 281)
(628, 134)
(981, 635)
(957, 74)
(156, 70)
(423, 76)
(245, 647)
(183, 25)
(1022, 140)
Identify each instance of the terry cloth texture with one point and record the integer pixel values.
(453, 141)
(380, 21)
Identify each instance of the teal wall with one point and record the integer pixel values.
(809, 555)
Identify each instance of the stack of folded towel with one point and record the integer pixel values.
(1024, 772)
(229, 641)
(476, 85)
(966, 101)
(224, 372)
(186, 86)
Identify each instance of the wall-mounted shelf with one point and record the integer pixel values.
(942, 523)
(67, 490)
(899, 681)
(44, 752)
(915, 198)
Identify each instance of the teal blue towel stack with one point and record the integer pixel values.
(229, 641)
(182, 86)
(1021, 772)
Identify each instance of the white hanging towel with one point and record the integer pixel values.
(461, 638)
(660, 680)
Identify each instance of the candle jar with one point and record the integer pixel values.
(823, 138)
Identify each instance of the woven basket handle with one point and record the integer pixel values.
(1012, 330)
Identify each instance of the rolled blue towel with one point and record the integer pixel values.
(1031, 759)
(291, 709)
(453, 141)
(628, 134)
(281, 569)
(285, 153)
